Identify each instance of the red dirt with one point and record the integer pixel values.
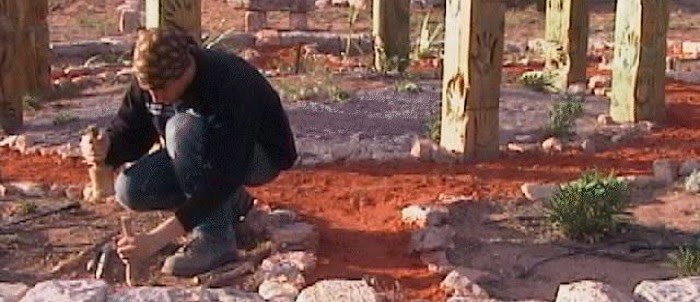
(356, 206)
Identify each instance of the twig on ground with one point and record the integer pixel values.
(66, 207)
(75, 261)
(226, 275)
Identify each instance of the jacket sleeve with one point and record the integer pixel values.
(131, 133)
(228, 144)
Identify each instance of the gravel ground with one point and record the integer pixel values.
(377, 124)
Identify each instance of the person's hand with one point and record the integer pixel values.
(94, 149)
(138, 247)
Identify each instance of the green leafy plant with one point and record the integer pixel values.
(31, 101)
(541, 81)
(338, 94)
(27, 207)
(408, 86)
(692, 183)
(588, 208)
(686, 261)
(565, 111)
(433, 125)
(63, 118)
(428, 36)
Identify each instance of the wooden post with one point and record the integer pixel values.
(474, 34)
(391, 31)
(567, 35)
(186, 14)
(639, 61)
(24, 57)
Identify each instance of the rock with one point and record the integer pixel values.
(271, 289)
(298, 6)
(599, 81)
(68, 291)
(279, 218)
(640, 181)
(605, 120)
(588, 146)
(28, 189)
(282, 299)
(425, 215)
(8, 141)
(535, 191)
(460, 283)
(22, 143)
(590, 291)
(322, 3)
(437, 262)
(74, 192)
(432, 239)
(3, 190)
(161, 294)
(646, 126)
(665, 170)
(423, 149)
(339, 291)
(601, 91)
(688, 167)
(282, 272)
(523, 147)
(295, 236)
(683, 289)
(303, 261)
(577, 89)
(57, 191)
(552, 144)
(230, 294)
(12, 292)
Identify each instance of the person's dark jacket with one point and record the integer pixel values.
(243, 108)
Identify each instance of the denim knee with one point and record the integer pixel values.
(126, 192)
(184, 133)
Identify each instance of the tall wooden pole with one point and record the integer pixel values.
(474, 34)
(639, 61)
(24, 57)
(566, 32)
(391, 31)
(185, 14)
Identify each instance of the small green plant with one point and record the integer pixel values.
(433, 125)
(686, 261)
(426, 41)
(63, 118)
(338, 94)
(31, 102)
(565, 111)
(27, 207)
(692, 183)
(588, 208)
(408, 86)
(541, 81)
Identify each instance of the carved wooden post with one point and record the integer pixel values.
(567, 36)
(186, 14)
(24, 57)
(474, 33)
(639, 61)
(391, 29)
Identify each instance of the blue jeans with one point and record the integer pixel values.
(151, 183)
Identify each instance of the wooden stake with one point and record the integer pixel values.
(567, 35)
(639, 63)
(185, 14)
(131, 265)
(472, 76)
(391, 31)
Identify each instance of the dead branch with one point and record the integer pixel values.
(75, 261)
(66, 207)
(225, 275)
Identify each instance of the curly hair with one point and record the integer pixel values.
(160, 55)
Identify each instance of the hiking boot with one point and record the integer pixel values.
(202, 254)
(242, 203)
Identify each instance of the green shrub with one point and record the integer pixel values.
(538, 81)
(563, 116)
(686, 261)
(433, 125)
(588, 208)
